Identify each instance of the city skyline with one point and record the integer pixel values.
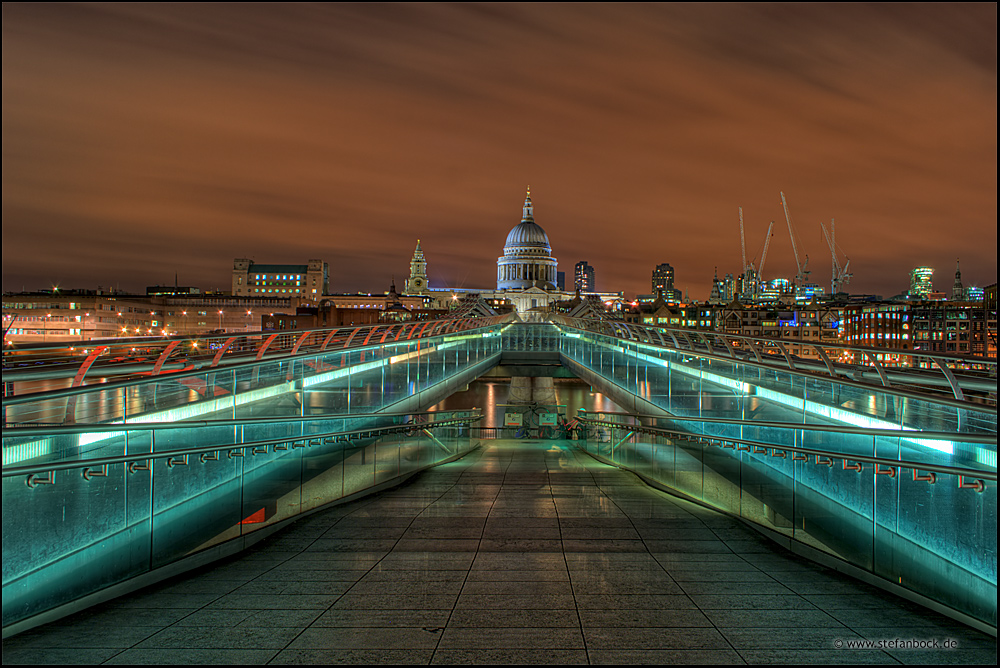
(145, 141)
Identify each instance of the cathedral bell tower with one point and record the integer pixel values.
(416, 284)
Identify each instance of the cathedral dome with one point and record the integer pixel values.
(527, 260)
(528, 233)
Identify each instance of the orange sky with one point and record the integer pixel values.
(144, 140)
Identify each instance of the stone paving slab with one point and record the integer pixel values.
(196, 657)
(521, 553)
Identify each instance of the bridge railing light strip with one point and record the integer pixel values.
(798, 403)
(192, 411)
(63, 361)
(938, 366)
(354, 434)
(833, 454)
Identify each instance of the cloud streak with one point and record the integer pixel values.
(188, 135)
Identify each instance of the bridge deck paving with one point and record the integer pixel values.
(521, 552)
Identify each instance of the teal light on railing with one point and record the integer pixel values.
(328, 376)
(43, 446)
(812, 407)
(13, 454)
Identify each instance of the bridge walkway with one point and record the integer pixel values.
(520, 552)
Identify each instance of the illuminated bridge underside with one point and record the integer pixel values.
(913, 533)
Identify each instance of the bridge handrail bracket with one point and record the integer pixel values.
(857, 466)
(888, 470)
(101, 472)
(177, 461)
(32, 480)
(930, 477)
(977, 484)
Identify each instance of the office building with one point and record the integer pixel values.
(920, 283)
(307, 281)
(584, 277)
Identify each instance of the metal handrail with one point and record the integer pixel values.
(149, 341)
(235, 364)
(67, 429)
(779, 344)
(961, 437)
(573, 322)
(895, 463)
(783, 362)
(901, 390)
(31, 469)
(261, 342)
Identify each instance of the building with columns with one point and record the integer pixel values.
(527, 260)
(527, 273)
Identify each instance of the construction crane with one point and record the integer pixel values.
(743, 243)
(803, 272)
(763, 256)
(839, 275)
(751, 274)
(754, 274)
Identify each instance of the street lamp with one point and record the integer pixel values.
(249, 314)
(220, 319)
(7, 325)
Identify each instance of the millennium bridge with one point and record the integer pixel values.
(305, 496)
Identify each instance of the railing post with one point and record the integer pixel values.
(955, 389)
(878, 367)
